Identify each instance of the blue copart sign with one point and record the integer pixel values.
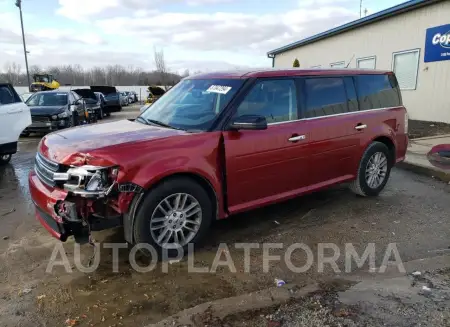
(437, 43)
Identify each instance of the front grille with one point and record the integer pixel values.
(45, 169)
(40, 119)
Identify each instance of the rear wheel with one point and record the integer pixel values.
(374, 170)
(5, 158)
(177, 212)
(100, 113)
(75, 119)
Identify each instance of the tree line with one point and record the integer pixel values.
(77, 75)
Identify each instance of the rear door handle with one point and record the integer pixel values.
(360, 127)
(297, 138)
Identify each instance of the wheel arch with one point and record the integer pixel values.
(386, 140)
(130, 216)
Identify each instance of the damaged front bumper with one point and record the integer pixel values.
(64, 214)
(77, 200)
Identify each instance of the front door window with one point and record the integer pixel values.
(274, 99)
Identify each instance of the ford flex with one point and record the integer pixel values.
(217, 144)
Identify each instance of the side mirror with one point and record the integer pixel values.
(249, 122)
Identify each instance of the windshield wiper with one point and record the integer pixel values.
(148, 121)
(159, 123)
(142, 120)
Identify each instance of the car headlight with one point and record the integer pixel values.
(54, 117)
(63, 115)
(90, 178)
(102, 179)
(97, 182)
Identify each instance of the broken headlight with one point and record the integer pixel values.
(89, 179)
(98, 181)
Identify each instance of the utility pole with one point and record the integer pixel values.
(360, 8)
(19, 5)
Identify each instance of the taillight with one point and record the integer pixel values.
(406, 122)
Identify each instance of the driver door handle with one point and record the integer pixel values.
(360, 127)
(14, 110)
(296, 138)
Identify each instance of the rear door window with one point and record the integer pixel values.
(274, 99)
(324, 97)
(351, 94)
(377, 91)
(8, 95)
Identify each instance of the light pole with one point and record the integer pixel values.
(19, 5)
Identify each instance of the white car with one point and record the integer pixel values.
(14, 118)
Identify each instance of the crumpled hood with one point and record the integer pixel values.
(46, 110)
(76, 146)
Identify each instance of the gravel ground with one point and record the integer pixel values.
(420, 128)
(401, 302)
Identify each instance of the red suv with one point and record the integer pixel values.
(217, 144)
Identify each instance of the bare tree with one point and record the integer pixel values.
(77, 75)
(35, 69)
(186, 73)
(161, 67)
(8, 72)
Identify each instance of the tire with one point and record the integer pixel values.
(5, 158)
(361, 185)
(148, 210)
(76, 119)
(100, 114)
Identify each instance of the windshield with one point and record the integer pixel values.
(193, 104)
(42, 78)
(47, 99)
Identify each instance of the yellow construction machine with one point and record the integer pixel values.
(154, 93)
(44, 82)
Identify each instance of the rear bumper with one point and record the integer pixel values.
(45, 200)
(8, 148)
(112, 106)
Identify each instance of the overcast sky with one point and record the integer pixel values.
(195, 34)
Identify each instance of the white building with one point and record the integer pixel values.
(412, 39)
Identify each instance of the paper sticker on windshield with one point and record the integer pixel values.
(219, 89)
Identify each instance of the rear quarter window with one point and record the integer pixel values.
(377, 91)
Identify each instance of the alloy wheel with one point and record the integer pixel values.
(376, 170)
(176, 220)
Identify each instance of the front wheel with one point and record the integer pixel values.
(177, 212)
(5, 158)
(374, 170)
